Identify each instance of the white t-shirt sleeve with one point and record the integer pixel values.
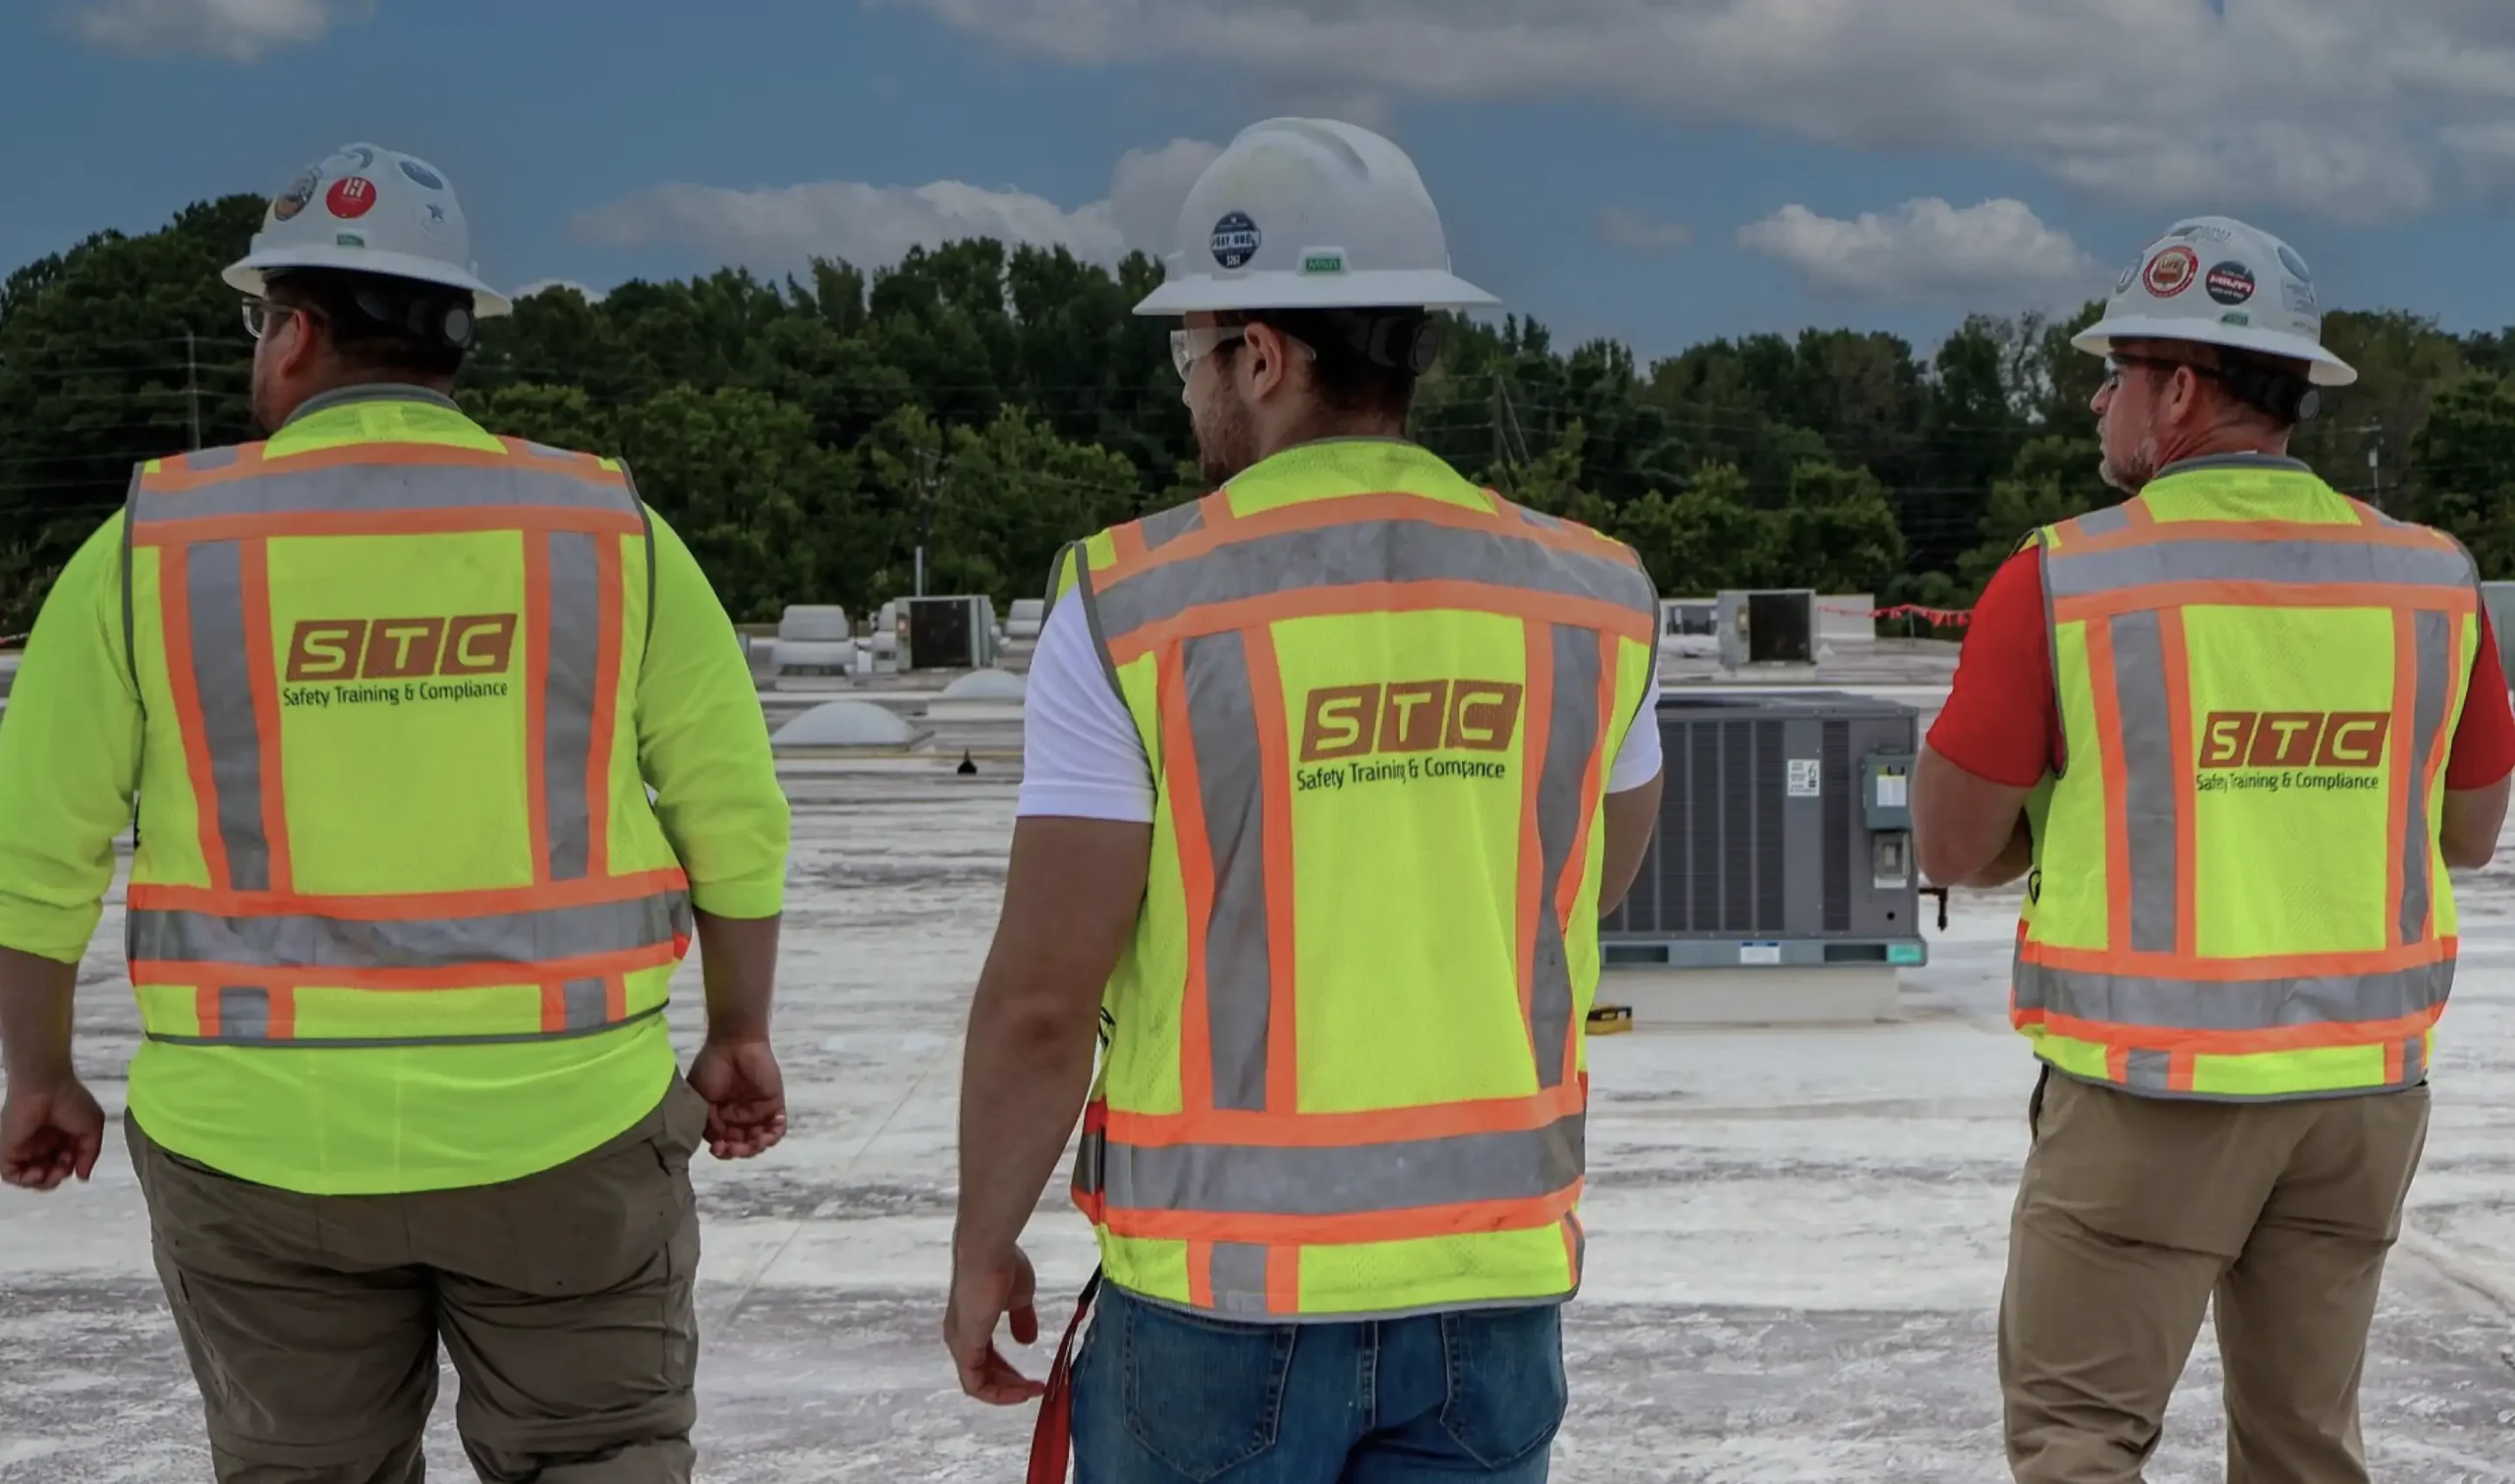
(1638, 761)
(1081, 758)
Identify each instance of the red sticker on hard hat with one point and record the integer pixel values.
(351, 199)
(2171, 272)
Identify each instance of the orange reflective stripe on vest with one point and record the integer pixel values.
(251, 940)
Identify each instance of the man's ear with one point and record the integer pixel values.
(305, 347)
(1269, 353)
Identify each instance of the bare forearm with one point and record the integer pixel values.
(738, 958)
(36, 999)
(2015, 859)
(1024, 1079)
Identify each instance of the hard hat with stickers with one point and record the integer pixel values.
(1310, 214)
(371, 210)
(2214, 280)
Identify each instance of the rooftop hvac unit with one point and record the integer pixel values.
(947, 633)
(1785, 837)
(1770, 627)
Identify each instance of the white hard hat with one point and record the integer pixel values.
(370, 210)
(1310, 214)
(2215, 281)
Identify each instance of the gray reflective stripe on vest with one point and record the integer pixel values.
(252, 1028)
(230, 730)
(315, 942)
(1231, 784)
(2235, 1005)
(1258, 1180)
(1362, 552)
(276, 490)
(570, 689)
(1239, 1273)
(1162, 528)
(1572, 738)
(2100, 522)
(2151, 784)
(2287, 563)
(2434, 650)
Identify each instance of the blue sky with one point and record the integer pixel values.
(1660, 170)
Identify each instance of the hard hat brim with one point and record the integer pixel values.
(2328, 370)
(245, 276)
(1207, 293)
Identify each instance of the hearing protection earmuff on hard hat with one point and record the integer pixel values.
(426, 318)
(2288, 397)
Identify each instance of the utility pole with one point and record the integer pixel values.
(925, 481)
(2374, 433)
(192, 385)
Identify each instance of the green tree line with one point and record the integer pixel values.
(992, 403)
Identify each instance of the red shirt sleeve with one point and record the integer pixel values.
(2485, 740)
(2002, 721)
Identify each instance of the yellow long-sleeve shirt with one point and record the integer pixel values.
(76, 750)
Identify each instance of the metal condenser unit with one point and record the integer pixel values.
(1785, 837)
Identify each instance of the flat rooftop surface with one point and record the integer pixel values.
(1797, 1236)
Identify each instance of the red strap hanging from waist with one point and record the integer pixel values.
(1052, 1441)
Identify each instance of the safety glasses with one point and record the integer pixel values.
(259, 315)
(2115, 363)
(1190, 346)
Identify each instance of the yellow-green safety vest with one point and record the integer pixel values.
(397, 656)
(2238, 891)
(1345, 1070)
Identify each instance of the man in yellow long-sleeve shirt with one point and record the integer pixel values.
(391, 692)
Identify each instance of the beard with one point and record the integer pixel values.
(2132, 474)
(1226, 438)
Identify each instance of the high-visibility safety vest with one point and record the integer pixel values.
(397, 656)
(2238, 889)
(1344, 1071)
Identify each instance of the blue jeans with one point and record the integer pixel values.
(1163, 1396)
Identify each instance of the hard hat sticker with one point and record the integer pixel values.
(351, 199)
(1235, 239)
(2235, 317)
(2231, 282)
(2202, 231)
(2289, 261)
(2300, 299)
(432, 219)
(300, 192)
(2172, 271)
(347, 240)
(2130, 276)
(422, 175)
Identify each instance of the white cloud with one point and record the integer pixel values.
(234, 30)
(875, 226)
(1628, 228)
(1928, 250)
(2333, 106)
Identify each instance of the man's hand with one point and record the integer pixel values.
(49, 1133)
(984, 1291)
(745, 1096)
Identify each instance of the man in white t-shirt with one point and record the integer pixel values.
(1329, 776)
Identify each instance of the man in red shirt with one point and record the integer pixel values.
(2238, 933)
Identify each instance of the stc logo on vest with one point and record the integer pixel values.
(1398, 726)
(2299, 749)
(402, 659)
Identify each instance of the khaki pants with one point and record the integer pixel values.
(2136, 1213)
(565, 1300)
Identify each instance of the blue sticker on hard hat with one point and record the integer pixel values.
(300, 192)
(2231, 282)
(433, 219)
(1235, 239)
(2289, 261)
(422, 175)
